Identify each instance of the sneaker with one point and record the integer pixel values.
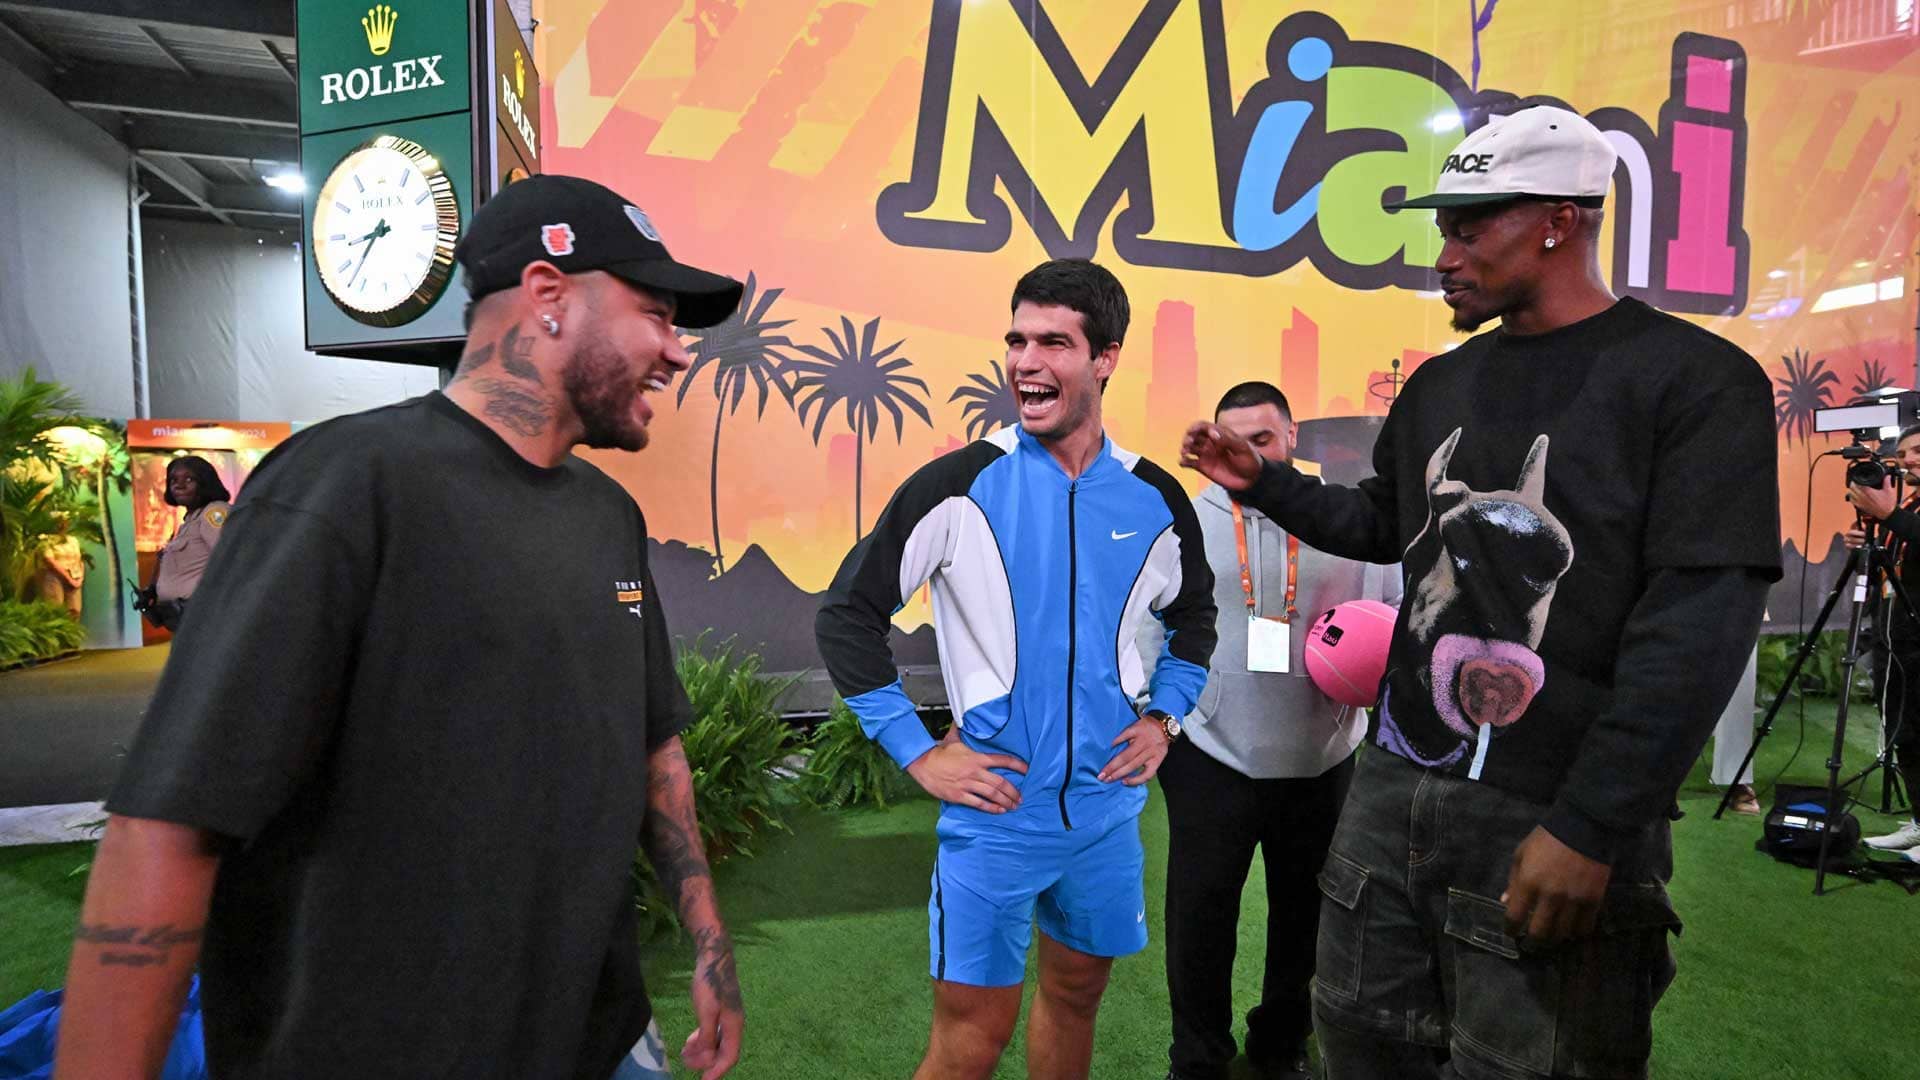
(1912, 855)
(1905, 838)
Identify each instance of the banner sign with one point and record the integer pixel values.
(883, 173)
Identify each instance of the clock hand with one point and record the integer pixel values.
(372, 238)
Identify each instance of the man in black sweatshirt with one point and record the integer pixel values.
(1902, 633)
(1583, 587)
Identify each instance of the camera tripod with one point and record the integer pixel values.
(1855, 577)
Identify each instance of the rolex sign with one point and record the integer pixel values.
(363, 63)
(516, 99)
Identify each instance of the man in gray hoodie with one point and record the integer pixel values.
(1265, 764)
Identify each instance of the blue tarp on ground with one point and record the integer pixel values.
(29, 1029)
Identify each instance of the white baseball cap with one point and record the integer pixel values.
(1540, 153)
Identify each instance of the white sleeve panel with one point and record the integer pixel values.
(1156, 587)
(973, 611)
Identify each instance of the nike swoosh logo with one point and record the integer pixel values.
(1124, 535)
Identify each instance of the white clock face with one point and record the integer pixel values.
(384, 227)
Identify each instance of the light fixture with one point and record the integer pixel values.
(1444, 122)
(1776, 274)
(288, 181)
(1858, 295)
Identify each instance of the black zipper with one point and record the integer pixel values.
(1073, 598)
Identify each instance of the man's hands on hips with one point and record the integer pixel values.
(1221, 456)
(956, 773)
(1553, 892)
(1146, 747)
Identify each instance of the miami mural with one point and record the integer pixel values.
(882, 170)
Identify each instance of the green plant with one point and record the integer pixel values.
(735, 747)
(1820, 676)
(56, 469)
(35, 632)
(845, 768)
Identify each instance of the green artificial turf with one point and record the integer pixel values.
(39, 904)
(830, 926)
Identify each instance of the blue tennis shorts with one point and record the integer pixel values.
(989, 884)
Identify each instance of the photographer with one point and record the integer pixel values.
(1900, 532)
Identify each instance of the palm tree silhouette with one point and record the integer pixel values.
(741, 350)
(865, 380)
(1873, 376)
(1802, 390)
(990, 404)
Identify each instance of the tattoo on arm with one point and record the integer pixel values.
(515, 349)
(136, 946)
(713, 961)
(525, 412)
(672, 842)
(672, 834)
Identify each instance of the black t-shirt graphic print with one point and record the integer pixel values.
(1482, 578)
(1547, 496)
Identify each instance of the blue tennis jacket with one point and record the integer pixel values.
(1039, 584)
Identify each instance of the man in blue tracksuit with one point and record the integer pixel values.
(1046, 546)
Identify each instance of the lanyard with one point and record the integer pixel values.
(1246, 574)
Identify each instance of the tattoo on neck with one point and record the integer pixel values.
(522, 411)
(474, 358)
(515, 350)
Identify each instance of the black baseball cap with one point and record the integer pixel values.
(578, 225)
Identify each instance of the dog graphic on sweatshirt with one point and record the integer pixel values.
(1493, 560)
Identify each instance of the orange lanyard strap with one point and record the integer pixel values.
(1246, 572)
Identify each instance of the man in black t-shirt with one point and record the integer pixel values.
(390, 787)
(1578, 608)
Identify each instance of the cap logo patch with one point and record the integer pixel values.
(643, 223)
(557, 239)
(1467, 163)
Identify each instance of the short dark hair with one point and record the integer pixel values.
(1086, 287)
(1252, 395)
(1906, 433)
(203, 475)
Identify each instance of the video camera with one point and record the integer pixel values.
(1874, 419)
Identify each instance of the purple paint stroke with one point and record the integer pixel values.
(1390, 739)
(1479, 20)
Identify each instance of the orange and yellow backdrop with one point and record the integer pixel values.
(883, 171)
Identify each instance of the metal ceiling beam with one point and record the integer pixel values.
(252, 198)
(281, 58)
(230, 211)
(149, 93)
(254, 18)
(183, 179)
(26, 54)
(211, 142)
(166, 50)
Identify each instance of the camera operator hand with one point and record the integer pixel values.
(1855, 538)
(1875, 502)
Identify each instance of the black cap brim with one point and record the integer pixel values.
(1488, 198)
(701, 299)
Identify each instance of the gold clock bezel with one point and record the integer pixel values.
(447, 208)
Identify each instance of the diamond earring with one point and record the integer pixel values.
(1552, 242)
(553, 327)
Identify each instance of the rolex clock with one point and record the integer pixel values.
(384, 226)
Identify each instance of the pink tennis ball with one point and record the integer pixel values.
(1347, 650)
